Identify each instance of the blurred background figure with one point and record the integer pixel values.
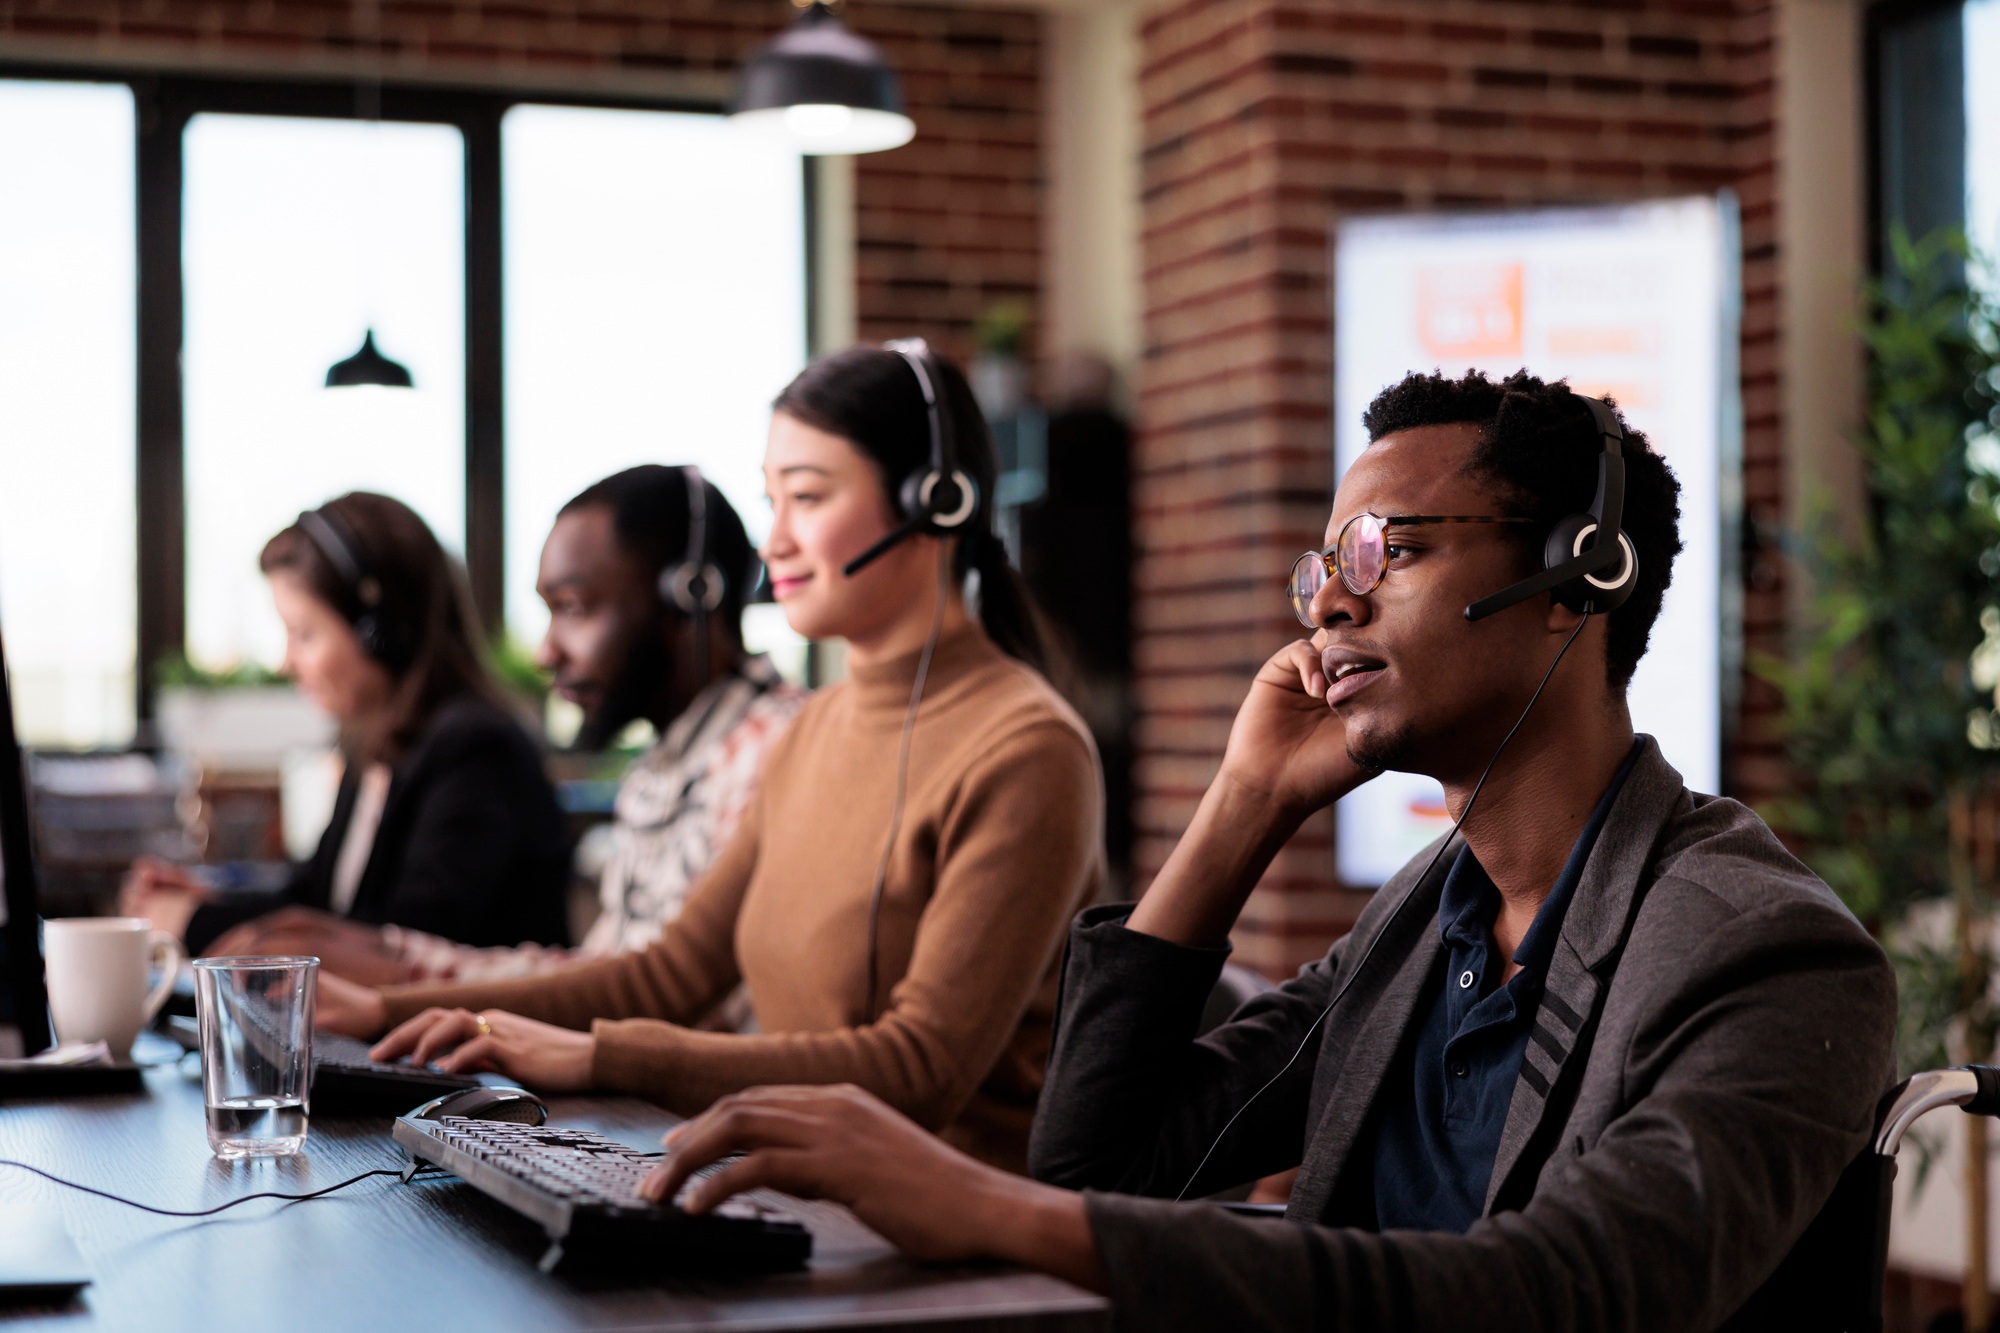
(445, 821)
(628, 639)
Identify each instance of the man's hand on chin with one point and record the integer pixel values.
(1287, 757)
(1287, 744)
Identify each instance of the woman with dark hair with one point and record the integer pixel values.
(445, 821)
(895, 899)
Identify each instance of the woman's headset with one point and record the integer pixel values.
(1575, 575)
(939, 499)
(382, 636)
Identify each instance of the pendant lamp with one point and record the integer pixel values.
(368, 366)
(820, 89)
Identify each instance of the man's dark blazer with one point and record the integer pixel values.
(1715, 1032)
(472, 845)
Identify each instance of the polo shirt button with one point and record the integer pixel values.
(1465, 979)
(1458, 1069)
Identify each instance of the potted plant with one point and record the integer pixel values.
(1889, 717)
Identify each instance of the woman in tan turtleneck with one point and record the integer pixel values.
(998, 844)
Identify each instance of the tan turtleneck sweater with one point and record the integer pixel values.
(1001, 843)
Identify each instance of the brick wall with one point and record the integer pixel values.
(1266, 121)
(946, 227)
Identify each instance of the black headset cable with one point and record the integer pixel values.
(903, 771)
(206, 1212)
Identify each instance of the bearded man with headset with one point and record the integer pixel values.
(1593, 1061)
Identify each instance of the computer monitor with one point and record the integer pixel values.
(24, 999)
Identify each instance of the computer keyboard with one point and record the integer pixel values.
(583, 1188)
(347, 1082)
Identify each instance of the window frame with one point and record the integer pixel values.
(1882, 22)
(164, 104)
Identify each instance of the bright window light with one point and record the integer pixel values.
(655, 292)
(67, 427)
(299, 235)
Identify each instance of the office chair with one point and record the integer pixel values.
(1831, 1282)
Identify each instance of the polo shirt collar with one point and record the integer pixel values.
(1469, 902)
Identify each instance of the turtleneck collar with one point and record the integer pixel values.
(886, 685)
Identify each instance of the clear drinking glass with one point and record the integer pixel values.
(256, 1019)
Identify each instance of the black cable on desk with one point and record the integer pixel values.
(204, 1212)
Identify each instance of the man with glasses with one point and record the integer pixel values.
(1592, 1061)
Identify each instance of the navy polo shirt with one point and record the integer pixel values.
(1446, 1098)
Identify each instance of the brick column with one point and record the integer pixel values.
(1266, 121)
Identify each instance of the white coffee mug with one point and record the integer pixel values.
(97, 968)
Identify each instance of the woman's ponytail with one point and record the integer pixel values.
(1006, 607)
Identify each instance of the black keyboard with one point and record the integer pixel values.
(347, 1082)
(583, 1189)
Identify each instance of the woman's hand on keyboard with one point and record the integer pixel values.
(842, 1143)
(542, 1056)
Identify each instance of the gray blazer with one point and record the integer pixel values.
(1715, 1032)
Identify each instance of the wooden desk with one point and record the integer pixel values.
(431, 1255)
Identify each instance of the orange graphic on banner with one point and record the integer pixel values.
(1468, 311)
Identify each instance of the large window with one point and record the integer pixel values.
(655, 304)
(300, 235)
(67, 333)
(574, 289)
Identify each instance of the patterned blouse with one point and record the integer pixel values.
(677, 806)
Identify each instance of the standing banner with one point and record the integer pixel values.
(1638, 302)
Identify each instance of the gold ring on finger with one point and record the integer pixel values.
(485, 1028)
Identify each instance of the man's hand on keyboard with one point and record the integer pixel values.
(539, 1055)
(344, 948)
(349, 1009)
(842, 1143)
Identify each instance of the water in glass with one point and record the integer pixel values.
(256, 1052)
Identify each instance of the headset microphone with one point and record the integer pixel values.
(1568, 570)
(939, 499)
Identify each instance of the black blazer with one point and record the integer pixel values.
(1712, 1036)
(472, 845)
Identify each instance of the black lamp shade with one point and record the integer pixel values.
(368, 366)
(823, 89)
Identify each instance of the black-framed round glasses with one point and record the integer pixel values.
(1360, 556)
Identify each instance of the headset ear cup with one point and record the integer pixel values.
(1627, 574)
(1562, 540)
(1580, 593)
(368, 628)
(911, 496)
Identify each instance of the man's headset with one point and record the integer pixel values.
(382, 637)
(693, 585)
(940, 499)
(1568, 570)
